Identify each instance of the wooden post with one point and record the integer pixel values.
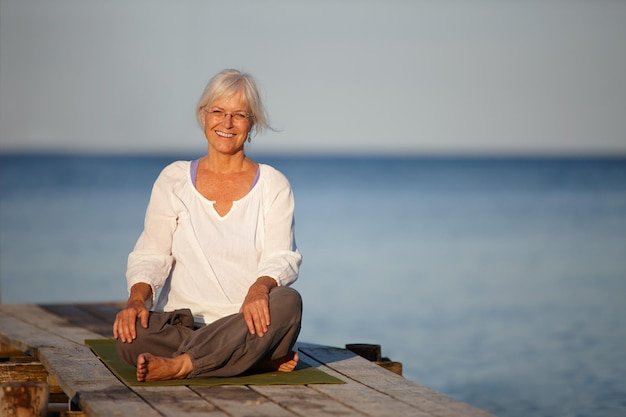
(24, 399)
(373, 354)
(370, 352)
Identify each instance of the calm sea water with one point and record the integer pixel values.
(500, 282)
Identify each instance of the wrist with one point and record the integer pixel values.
(139, 294)
(135, 303)
(266, 282)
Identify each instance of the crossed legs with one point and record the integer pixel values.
(171, 349)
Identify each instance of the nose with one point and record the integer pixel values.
(228, 120)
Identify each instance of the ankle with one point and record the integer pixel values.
(186, 366)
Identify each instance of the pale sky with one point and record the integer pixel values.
(378, 77)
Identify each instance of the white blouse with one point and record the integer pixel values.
(205, 262)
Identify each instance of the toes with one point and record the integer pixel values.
(142, 368)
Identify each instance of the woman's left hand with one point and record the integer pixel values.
(256, 307)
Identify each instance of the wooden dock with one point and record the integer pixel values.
(50, 340)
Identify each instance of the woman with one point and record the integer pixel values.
(218, 242)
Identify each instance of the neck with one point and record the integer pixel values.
(225, 164)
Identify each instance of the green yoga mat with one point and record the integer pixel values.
(304, 373)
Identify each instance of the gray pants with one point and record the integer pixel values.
(224, 347)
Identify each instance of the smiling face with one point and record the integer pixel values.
(224, 127)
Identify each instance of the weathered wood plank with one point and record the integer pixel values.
(80, 317)
(398, 388)
(14, 332)
(179, 401)
(114, 400)
(304, 401)
(105, 312)
(360, 397)
(242, 401)
(20, 371)
(9, 352)
(80, 374)
(50, 323)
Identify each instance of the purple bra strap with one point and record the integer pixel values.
(256, 177)
(194, 171)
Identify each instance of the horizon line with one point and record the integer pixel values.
(318, 155)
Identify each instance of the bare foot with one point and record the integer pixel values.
(157, 368)
(285, 364)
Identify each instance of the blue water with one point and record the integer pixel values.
(500, 282)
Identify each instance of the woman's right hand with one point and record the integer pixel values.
(125, 325)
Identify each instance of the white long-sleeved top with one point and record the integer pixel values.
(205, 262)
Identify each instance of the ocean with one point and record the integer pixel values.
(498, 281)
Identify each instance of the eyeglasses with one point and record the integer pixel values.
(220, 115)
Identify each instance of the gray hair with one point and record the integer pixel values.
(228, 83)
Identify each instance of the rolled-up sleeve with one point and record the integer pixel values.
(281, 259)
(151, 259)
